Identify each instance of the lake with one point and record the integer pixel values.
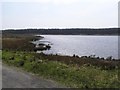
(82, 45)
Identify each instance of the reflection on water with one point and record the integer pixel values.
(81, 45)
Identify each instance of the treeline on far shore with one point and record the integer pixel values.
(67, 31)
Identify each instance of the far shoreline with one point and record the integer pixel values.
(65, 31)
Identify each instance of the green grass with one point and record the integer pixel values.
(0, 55)
(72, 76)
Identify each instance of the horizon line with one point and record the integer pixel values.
(58, 28)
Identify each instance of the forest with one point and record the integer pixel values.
(67, 31)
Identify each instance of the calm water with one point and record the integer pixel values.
(81, 45)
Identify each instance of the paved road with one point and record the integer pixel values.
(0, 74)
(16, 78)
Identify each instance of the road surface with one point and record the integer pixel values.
(16, 78)
(0, 74)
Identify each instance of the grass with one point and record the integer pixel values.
(79, 61)
(18, 42)
(83, 76)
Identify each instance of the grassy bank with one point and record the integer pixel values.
(84, 76)
(18, 42)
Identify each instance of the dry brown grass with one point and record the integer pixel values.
(17, 42)
(78, 61)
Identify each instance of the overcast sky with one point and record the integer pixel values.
(59, 13)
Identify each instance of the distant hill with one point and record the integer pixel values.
(71, 31)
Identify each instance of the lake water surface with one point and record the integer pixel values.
(102, 46)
